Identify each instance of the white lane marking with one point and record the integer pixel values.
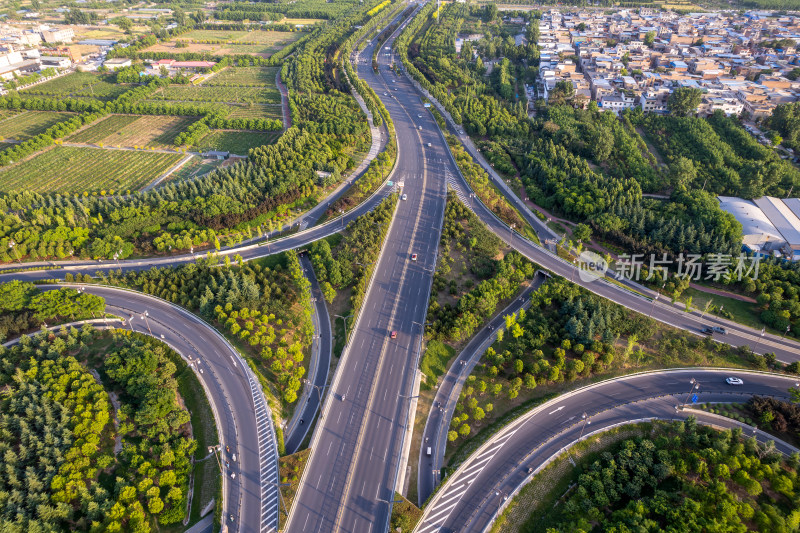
(555, 411)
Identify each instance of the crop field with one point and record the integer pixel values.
(304, 22)
(102, 90)
(23, 126)
(71, 169)
(236, 142)
(262, 50)
(133, 130)
(272, 38)
(64, 85)
(255, 111)
(202, 93)
(80, 85)
(267, 42)
(245, 76)
(209, 35)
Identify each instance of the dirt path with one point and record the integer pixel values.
(287, 117)
(117, 405)
(720, 292)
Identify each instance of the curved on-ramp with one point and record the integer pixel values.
(243, 419)
(472, 496)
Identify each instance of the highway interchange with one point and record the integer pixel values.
(355, 465)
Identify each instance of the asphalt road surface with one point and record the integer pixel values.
(471, 496)
(243, 426)
(313, 393)
(349, 481)
(447, 395)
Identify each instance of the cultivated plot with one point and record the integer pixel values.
(220, 42)
(202, 93)
(245, 76)
(71, 169)
(24, 125)
(255, 111)
(134, 130)
(78, 85)
(236, 142)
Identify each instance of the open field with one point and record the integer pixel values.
(78, 84)
(208, 35)
(245, 76)
(267, 42)
(132, 130)
(272, 38)
(70, 169)
(236, 142)
(255, 111)
(23, 126)
(202, 93)
(304, 22)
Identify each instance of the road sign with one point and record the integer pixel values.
(426, 104)
(694, 398)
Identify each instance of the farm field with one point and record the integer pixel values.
(304, 22)
(272, 38)
(245, 76)
(208, 35)
(255, 111)
(24, 125)
(268, 42)
(134, 130)
(236, 142)
(202, 93)
(78, 84)
(71, 169)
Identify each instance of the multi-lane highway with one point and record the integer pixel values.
(244, 423)
(472, 495)
(349, 481)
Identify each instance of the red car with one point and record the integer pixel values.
(413, 257)
(393, 334)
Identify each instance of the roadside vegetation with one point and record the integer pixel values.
(568, 337)
(676, 475)
(108, 467)
(264, 310)
(777, 417)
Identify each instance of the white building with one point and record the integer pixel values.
(758, 233)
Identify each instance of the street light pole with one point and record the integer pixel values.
(695, 386)
(652, 307)
(344, 319)
(144, 317)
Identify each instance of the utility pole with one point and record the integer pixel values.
(695, 386)
(144, 317)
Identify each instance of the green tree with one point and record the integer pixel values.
(684, 101)
(582, 232)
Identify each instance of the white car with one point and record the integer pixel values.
(734, 381)
(404, 197)
(429, 145)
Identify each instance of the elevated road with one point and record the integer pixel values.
(349, 481)
(243, 419)
(472, 496)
